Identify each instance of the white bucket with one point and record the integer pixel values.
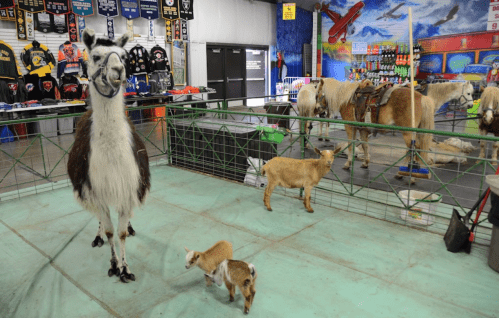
(493, 182)
(425, 206)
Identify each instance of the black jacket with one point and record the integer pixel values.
(159, 59)
(37, 58)
(9, 69)
(138, 60)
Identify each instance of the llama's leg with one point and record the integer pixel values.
(123, 218)
(108, 228)
(245, 290)
(131, 231)
(232, 290)
(98, 241)
(364, 136)
(268, 192)
(306, 200)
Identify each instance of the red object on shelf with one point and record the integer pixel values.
(21, 131)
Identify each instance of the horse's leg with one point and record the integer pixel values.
(483, 145)
(351, 132)
(364, 136)
(320, 130)
(326, 136)
(123, 218)
(98, 241)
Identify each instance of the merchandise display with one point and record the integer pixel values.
(37, 58)
(69, 59)
(138, 60)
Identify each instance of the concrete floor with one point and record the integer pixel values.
(327, 264)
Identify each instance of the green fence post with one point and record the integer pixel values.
(302, 145)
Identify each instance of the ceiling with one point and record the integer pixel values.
(304, 4)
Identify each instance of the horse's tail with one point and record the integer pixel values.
(427, 122)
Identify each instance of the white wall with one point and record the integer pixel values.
(215, 21)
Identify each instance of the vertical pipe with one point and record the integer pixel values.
(302, 145)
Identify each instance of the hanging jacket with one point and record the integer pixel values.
(69, 59)
(70, 87)
(37, 58)
(32, 86)
(49, 88)
(9, 69)
(138, 60)
(159, 59)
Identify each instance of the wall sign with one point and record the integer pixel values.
(110, 28)
(149, 9)
(169, 9)
(493, 18)
(176, 30)
(82, 8)
(21, 25)
(57, 7)
(130, 9)
(72, 30)
(288, 11)
(456, 62)
(107, 8)
(43, 22)
(81, 25)
(33, 6)
(30, 26)
(4, 4)
(3, 14)
(186, 8)
(60, 25)
(431, 63)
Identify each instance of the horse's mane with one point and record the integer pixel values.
(338, 94)
(443, 89)
(490, 97)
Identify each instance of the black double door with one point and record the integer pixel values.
(227, 74)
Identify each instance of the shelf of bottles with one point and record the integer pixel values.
(384, 63)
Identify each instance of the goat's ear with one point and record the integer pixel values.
(124, 39)
(187, 250)
(317, 151)
(88, 38)
(337, 150)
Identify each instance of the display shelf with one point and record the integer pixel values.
(59, 105)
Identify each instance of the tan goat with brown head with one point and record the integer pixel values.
(297, 173)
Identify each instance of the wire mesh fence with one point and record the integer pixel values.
(233, 143)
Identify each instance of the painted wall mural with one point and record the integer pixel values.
(386, 22)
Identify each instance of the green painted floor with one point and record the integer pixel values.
(327, 264)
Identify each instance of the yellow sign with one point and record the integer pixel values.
(288, 11)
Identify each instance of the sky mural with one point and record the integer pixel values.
(380, 23)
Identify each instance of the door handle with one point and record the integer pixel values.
(234, 79)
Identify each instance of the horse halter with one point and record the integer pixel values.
(466, 100)
(100, 71)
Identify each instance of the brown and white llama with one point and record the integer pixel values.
(108, 163)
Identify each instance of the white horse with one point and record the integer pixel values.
(108, 163)
(442, 93)
(309, 104)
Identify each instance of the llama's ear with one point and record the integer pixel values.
(317, 151)
(124, 39)
(187, 250)
(88, 38)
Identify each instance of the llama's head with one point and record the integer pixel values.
(191, 259)
(106, 62)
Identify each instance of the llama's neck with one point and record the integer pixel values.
(443, 93)
(107, 112)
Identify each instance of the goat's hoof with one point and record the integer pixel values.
(345, 167)
(114, 270)
(310, 211)
(231, 299)
(125, 277)
(131, 231)
(246, 311)
(98, 242)
(270, 209)
(320, 139)
(328, 140)
(398, 177)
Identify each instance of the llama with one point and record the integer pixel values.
(309, 105)
(236, 273)
(209, 259)
(297, 173)
(108, 163)
(489, 123)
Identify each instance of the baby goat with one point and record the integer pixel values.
(236, 273)
(297, 173)
(209, 259)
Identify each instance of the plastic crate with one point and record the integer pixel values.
(47, 127)
(65, 125)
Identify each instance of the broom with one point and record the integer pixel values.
(413, 169)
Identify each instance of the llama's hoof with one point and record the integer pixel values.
(131, 231)
(98, 242)
(114, 270)
(126, 277)
(320, 139)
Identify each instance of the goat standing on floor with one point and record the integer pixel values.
(297, 173)
(108, 164)
(209, 259)
(236, 273)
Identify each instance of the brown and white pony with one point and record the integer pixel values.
(397, 111)
(489, 123)
(108, 163)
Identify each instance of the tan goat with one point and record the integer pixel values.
(236, 273)
(209, 259)
(297, 173)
